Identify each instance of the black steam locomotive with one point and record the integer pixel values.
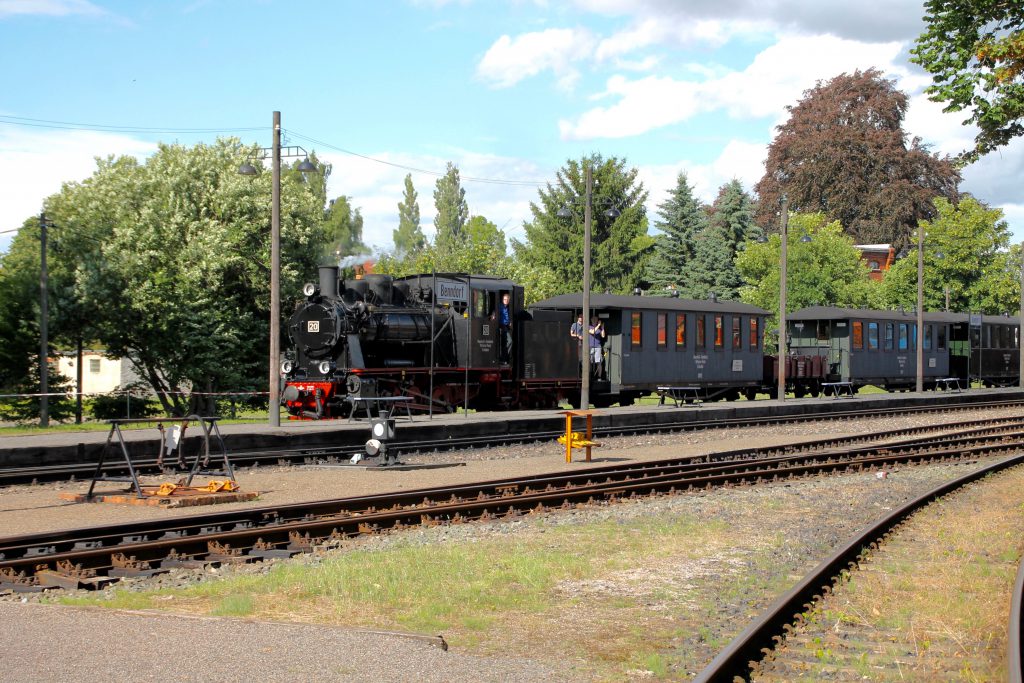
(433, 338)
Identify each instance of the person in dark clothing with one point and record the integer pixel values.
(597, 336)
(505, 328)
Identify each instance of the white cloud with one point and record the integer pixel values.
(34, 165)
(775, 78)
(53, 8)
(510, 60)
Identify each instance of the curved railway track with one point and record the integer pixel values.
(92, 557)
(743, 657)
(79, 470)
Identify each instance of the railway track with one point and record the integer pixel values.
(93, 557)
(85, 470)
(763, 652)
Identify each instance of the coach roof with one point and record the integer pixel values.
(655, 303)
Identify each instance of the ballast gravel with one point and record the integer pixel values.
(51, 643)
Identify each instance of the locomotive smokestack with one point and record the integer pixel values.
(329, 281)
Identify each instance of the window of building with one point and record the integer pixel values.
(737, 333)
(94, 365)
(873, 336)
(858, 334)
(662, 330)
(889, 336)
(903, 344)
(701, 339)
(681, 330)
(755, 338)
(635, 339)
(719, 332)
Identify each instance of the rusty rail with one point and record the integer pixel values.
(736, 660)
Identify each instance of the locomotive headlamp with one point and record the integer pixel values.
(324, 367)
(309, 289)
(375, 447)
(286, 367)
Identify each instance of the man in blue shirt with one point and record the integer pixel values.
(505, 328)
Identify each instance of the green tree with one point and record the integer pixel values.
(171, 262)
(343, 227)
(967, 251)
(20, 331)
(682, 219)
(825, 271)
(619, 246)
(452, 211)
(974, 50)
(408, 236)
(843, 152)
(733, 214)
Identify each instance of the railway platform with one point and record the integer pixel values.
(83, 447)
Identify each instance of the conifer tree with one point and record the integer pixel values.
(682, 218)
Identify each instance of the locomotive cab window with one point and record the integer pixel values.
(823, 330)
(483, 303)
(719, 332)
(680, 330)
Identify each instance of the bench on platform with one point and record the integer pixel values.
(385, 406)
(679, 395)
(838, 388)
(949, 384)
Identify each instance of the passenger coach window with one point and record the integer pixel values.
(701, 339)
(942, 337)
(634, 330)
(873, 336)
(719, 332)
(928, 337)
(858, 334)
(662, 330)
(903, 337)
(737, 335)
(681, 330)
(755, 338)
(888, 336)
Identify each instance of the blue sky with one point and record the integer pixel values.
(507, 89)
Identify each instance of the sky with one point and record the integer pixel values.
(508, 90)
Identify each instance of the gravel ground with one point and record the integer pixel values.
(806, 519)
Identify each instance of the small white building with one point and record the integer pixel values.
(100, 373)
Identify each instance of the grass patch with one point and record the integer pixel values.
(506, 594)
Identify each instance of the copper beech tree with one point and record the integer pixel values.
(844, 153)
